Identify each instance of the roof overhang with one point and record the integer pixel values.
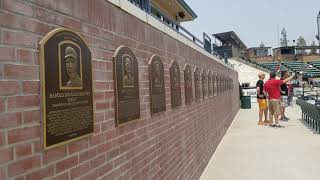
(230, 38)
(176, 8)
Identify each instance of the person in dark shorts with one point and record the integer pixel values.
(262, 100)
(284, 96)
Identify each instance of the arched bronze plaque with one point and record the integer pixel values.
(126, 85)
(175, 85)
(197, 83)
(218, 84)
(188, 84)
(204, 79)
(215, 85)
(66, 88)
(157, 85)
(210, 84)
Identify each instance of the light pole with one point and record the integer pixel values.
(318, 23)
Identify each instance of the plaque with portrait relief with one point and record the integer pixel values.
(204, 79)
(218, 84)
(157, 85)
(66, 88)
(175, 85)
(215, 86)
(197, 83)
(127, 101)
(188, 84)
(210, 84)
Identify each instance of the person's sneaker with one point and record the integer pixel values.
(266, 122)
(286, 118)
(260, 123)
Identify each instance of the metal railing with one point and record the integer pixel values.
(205, 44)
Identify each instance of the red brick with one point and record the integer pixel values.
(91, 175)
(17, 102)
(68, 22)
(102, 106)
(104, 147)
(105, 169)
(2, 140)
(23, 166)
(27, 56)
(78, 146)
(78, 171)
(54, 154)
(64, 176)
(37, 146)
(10, 120)
(98, 96)
(31, 87)
(98, 161)
(23, 150)
(89, 154)
(23, 134)
(96, 139)
(41, 174)
(9, 88)
(19, 7)
(23, 23)
(7, 53)
(2, 104)
(31, 116)
(67, 164)
(6, 155)
(2, 174)
(20, 38)
(20, 71)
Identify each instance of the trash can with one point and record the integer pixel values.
(246, 102)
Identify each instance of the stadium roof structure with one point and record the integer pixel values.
(229, 38)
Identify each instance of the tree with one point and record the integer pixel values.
(283, 40)
(301, 42)
(313, 51)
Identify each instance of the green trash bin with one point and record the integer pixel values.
(246, 102)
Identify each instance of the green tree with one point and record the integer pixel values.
(313, 51)
(301, 42)
(283, 40)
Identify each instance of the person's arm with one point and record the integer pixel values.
(289, 78)
(258, 92)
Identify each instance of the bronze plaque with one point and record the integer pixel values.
(204, 84)
(175, 84)
(188, 84)
(218, 84)
(210, 84)
(157, 87)
(126, 85)
(66, 88)
(215, 85)
(197, 83)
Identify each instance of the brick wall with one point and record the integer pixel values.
(176, 144)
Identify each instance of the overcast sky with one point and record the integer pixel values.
(255, 21)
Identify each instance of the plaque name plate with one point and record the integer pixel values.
(157, 86)
(66, 88)
(126, 85)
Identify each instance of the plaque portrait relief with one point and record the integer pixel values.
(157, 86)
(197, 83)
(204, 79)
(188, 84)
(70, 64)
(210, 84)
(66, 88)
(175, 85)
(215, 86)
(218, 84)
(127, 101)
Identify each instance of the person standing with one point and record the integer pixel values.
(261, 99)
(272, 88)
(284, 96)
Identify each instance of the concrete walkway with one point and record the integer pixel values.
(252, 152)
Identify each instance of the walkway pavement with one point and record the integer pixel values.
(252, 152)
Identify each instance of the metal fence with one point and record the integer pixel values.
(205, 44)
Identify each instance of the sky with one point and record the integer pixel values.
(256, 21)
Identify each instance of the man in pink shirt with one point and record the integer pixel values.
(272, 89)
